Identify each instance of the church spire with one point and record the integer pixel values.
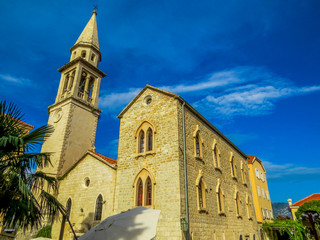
(89, 35)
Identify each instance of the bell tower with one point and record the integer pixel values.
(75, 112)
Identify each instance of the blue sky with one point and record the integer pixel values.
(250, 67)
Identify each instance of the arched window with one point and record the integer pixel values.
(90, 89)
(200, 189)
(83, 54)
(148, 192)
(66, 82)
(146, 138)
(216, 155)
(98, 212)
(141, 141)
(197, 143)
(139, 192)
(150, 138)
(243, 174)
(197, 146)
(82, 83)
(249, 207)
(233, 167)
(201, 192)
(237, 200)
(144, 189)
(220, 198)
(68, 207)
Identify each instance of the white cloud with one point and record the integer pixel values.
(14, 80)
(290, 171)
(243, 90)
(114, 101)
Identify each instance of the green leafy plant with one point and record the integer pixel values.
(294, 229)
(26, 195)
(44, 232)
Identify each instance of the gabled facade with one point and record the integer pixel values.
(219, 195)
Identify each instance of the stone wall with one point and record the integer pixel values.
(208, 223)
(162, 162)
(102, 181)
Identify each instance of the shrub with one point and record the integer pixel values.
(44, 232)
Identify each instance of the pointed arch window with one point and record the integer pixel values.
(145, 138)
(140, 192)
(148, 192)
(197, 143)
(141, 142)
(98, 211)
(197, 146)
(201, 193)
(66, 83)
(144, 189)
(82, 84)
(68, 207)
(90, 88)
(150, 139)
(243, 174)
(216, 155)
(233, 167)
(220, 199)
(237, 202)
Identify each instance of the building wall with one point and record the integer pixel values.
(210, 224)
(162, 163)
(74, 133)
(102, 181)
(261, 203)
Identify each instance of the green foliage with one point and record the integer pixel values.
(294, 229)
(308, 206)
(24, 194)
(44, 232)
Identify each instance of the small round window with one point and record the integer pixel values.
(148, 100)
(86, 182)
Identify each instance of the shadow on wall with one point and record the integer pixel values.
(87, 223)
(124, 227)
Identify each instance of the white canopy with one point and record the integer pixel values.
(139, 223)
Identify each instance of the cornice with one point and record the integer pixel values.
(86, 63)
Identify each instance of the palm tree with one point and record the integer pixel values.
(26, 195)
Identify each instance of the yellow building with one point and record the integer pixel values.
(294, 207)
(169, 158)
(260, 191)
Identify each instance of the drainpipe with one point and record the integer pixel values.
(185, 170)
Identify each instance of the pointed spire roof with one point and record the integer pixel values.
(89, 35)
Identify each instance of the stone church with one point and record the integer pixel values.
(170, 158)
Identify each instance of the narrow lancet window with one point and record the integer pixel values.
(141, 142)
(200, 194)
(68, 207)
(98, 212)
(140, 192)
(197, 146)
(238, 204)
(149, 192)
(82, 84)
(150, 140)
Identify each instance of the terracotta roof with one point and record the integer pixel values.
(22, 122)
(250, 158)
(107, 159)
(26, 124)
(315, 196)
